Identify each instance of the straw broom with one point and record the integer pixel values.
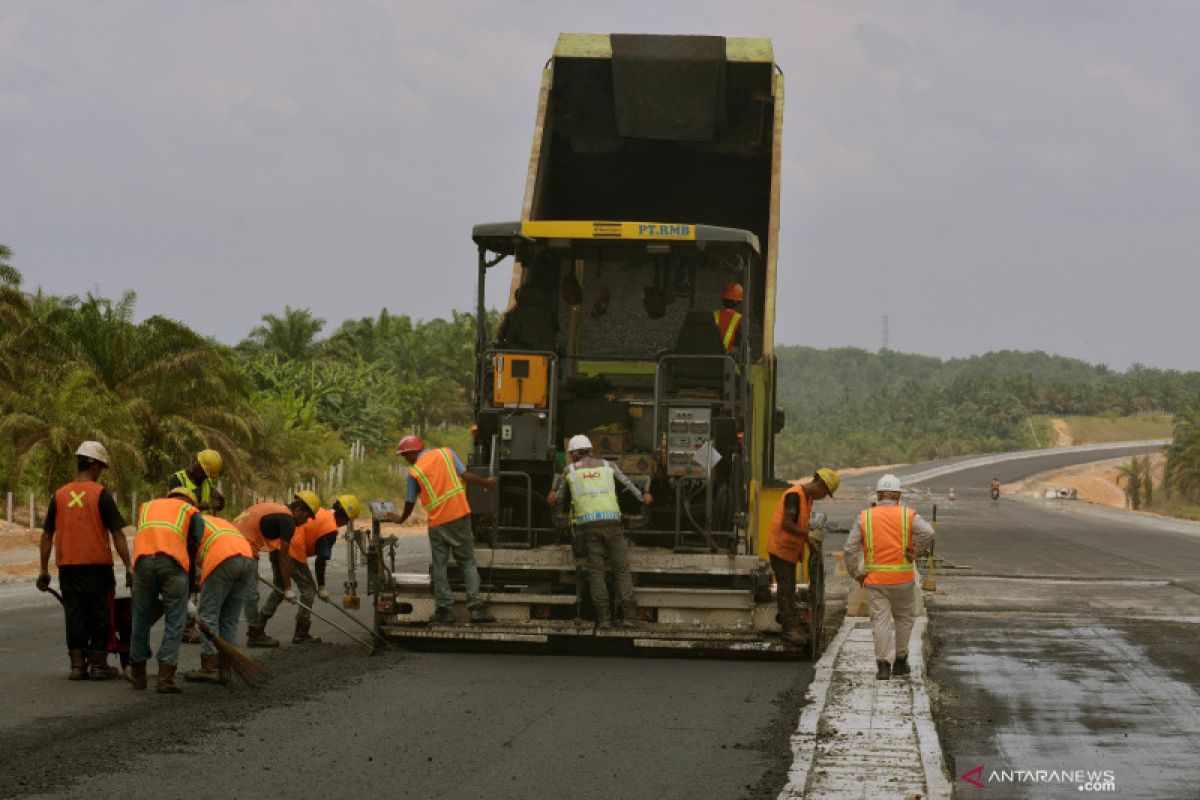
(247, 668)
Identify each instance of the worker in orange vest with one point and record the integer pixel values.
(789, 540)
(81, 518)
(225, 573)
(270, 527)
(169, 530)
(316, 538)
(304, 507)
(436, 476)
(879, 554)
(728, 318)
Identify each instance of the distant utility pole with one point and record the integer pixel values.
(885, 334)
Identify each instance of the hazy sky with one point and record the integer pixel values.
(1004, 174)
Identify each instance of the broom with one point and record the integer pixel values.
(249, 670)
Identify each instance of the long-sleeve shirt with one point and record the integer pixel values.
(560, 480)
(922, 536)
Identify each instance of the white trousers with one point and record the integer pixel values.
(893, 607)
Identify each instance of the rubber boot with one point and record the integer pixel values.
(480, 614)
(209, 671)
(629, 617)
(900, 667)
(101, 671)
(301, 635)
(603, 621)
(137, 674)
(166, 680)
(256, 636)
(78, 666)
(883, 671)
(444, 616)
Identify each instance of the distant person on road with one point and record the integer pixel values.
(81, 519)
(437, 477)
(789, 540)
(995, 489)
(596, 518)
(892, 536)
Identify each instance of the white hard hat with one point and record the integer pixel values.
(579, 442)
(888, 483)
(94, 451)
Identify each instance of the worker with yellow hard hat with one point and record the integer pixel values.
(304, 507)
(198, 479)
(728, 318)
(316, 538)
(790, 540)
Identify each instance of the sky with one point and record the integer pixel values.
(989, 175)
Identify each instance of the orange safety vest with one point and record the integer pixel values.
(887, 531)
(80, 537)
(440, 488)
(162, 528)
(782, 543)
(248, 523)
(727, 321)
(221, 542)
(304, 542)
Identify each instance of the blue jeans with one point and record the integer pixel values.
(454, 538)
(223, 596)
(156, 575)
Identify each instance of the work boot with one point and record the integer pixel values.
(480, 614)
(191, 635)
(883, 671)
(629, 617)
(444, 616)
(78, 666)
(166, 680)
(209, 671)
(257, 637)
(301, 635)
(101, 671)
(603, 621)
(792, 635)
(900, 667)
(137, 674)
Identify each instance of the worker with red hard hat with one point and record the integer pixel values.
(437, 477)
(728, 318)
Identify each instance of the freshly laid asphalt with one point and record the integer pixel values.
(1063, 639)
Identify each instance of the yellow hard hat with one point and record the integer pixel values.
(185, 493)
(310, 499)
(829, 478)
(210, 462)
(350, 505)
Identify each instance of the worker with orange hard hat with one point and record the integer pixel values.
(437, 478)
(728, 318)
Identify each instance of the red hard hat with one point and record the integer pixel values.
(732, 291)
(410, 444)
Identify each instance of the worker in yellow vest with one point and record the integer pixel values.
(879, 554)
(438, 479)
(225, 572)
(82, 519)
(790, 541)
(728, 318)
(168, 528)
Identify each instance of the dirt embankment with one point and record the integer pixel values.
(1095, 482)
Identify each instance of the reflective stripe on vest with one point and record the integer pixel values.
(435, 470)
(727, 321)
(162, 528)
(593, 494)
(890, 571)
(217, 529)
(79, 533)
(203, 492)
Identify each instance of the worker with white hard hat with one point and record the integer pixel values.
(82, 519)
(892, 535)
(596, 518)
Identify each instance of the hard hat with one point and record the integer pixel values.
(579, 442)
(210, 462)
(732, 291)
(93, 450)
(310, 499)
(185, 493)
(350, 505)
(888, 483)
(829, 478)
(410, 444)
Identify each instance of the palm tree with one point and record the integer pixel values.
(292, 336)
(1131, 474)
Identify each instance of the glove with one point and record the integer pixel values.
(322, 593)
(289, 595)
(191, 608)
(43, 581)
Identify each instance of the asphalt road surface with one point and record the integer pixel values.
(1061, 640)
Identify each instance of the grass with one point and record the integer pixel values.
(1173, 506)
(1098, 430)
